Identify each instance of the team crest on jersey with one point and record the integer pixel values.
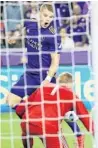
(52, 30)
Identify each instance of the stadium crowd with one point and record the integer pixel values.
(74, 17)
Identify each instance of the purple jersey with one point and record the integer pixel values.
(84, 6)
(77, 30)
(39, 47)
(82, 23)
(64, 10)
(78, 37)
(40, 43)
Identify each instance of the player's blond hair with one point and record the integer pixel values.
(46, 6)
(65, 77)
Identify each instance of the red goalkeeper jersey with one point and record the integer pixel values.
(52, 107)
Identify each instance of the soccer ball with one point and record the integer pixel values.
(71, 116)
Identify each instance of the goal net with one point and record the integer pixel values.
(25, 38)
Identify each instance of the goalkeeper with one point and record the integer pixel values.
(43, 51)
(56, 101)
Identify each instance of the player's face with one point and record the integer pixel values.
(69, 85)
(46, 17)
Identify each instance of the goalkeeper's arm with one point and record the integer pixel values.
(84, 116)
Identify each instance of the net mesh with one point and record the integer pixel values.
(72, 22)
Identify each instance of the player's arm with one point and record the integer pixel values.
(54, 49)
(84, 115)
(55, 58)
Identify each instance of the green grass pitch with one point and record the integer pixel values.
(10, 133)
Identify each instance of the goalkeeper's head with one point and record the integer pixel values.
(65, 79)
(46, 15)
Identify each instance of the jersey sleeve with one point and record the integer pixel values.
(84, 115)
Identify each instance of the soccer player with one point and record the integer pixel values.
(65, 79)
(57, 101)
(43, 48)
